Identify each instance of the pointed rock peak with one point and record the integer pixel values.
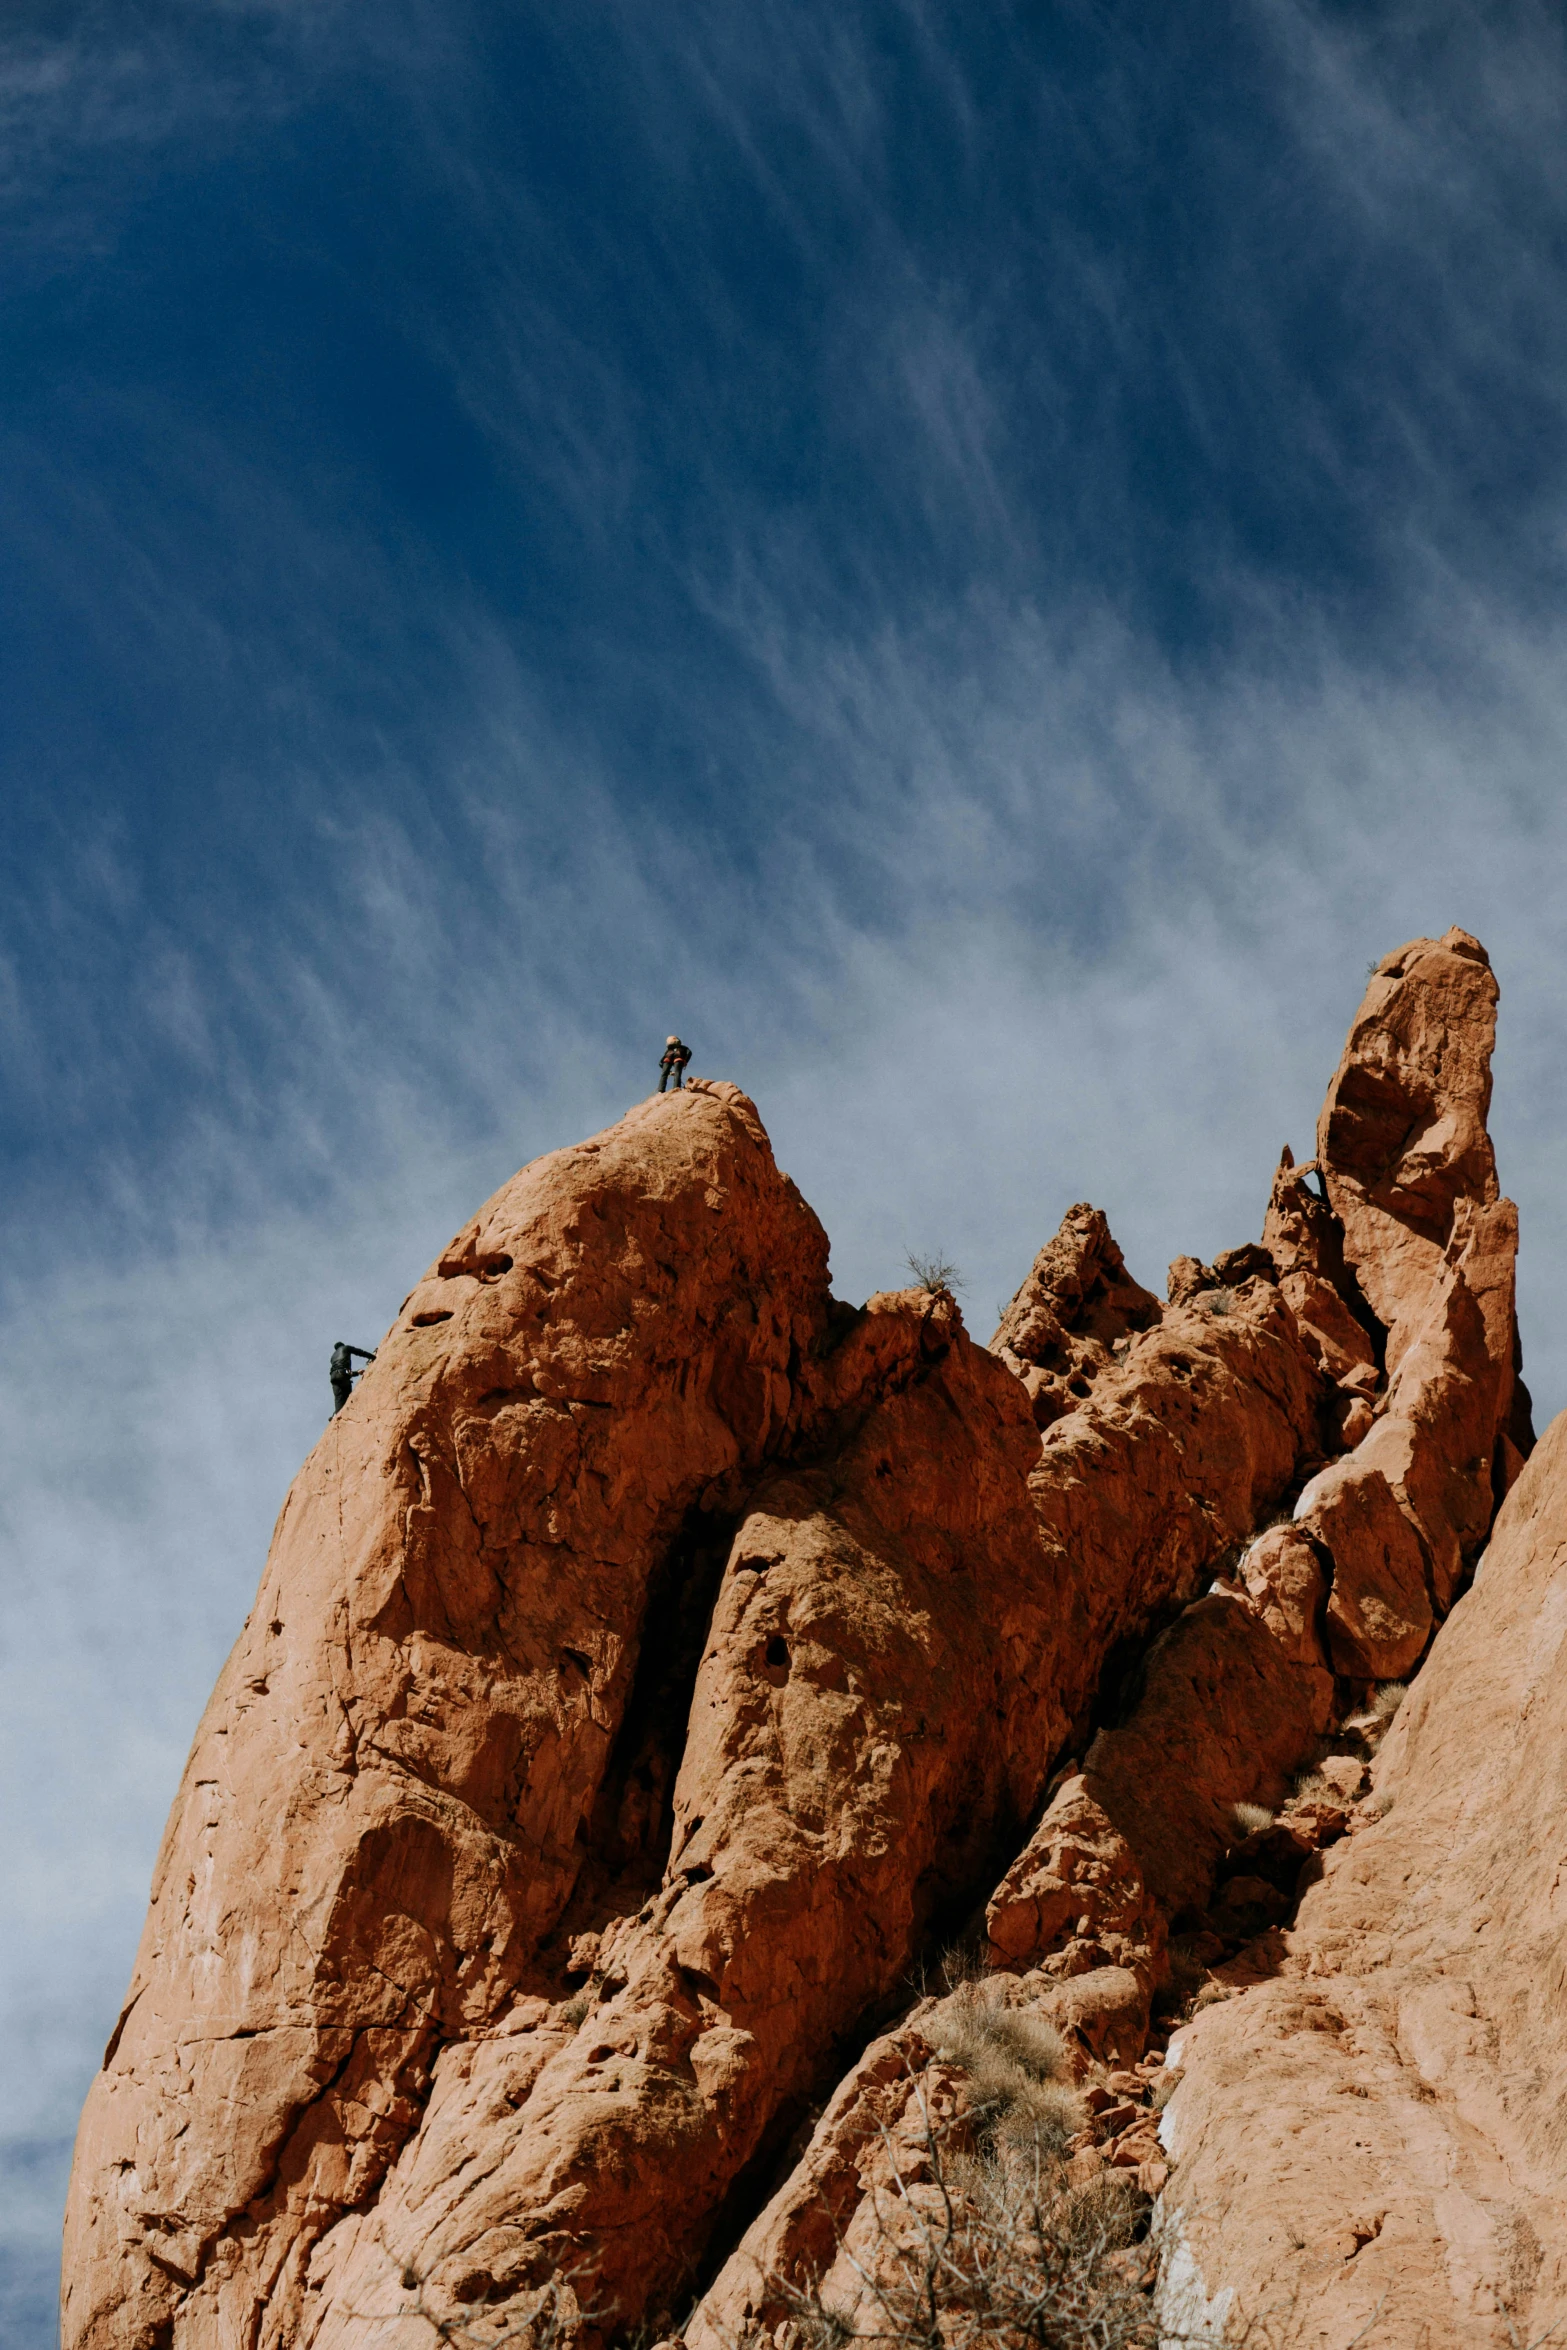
(1452, 942)
(1403, 1129)
(1078, 1303)
(1402, 1143)
(1421, 1250)
(1078, 1287)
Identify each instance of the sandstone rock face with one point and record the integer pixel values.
(1424, 1256)
(1184, 1442)
(1373, 2138)
(1406, 1157)
(1402, 1137)
(659, 1664)
(1077, 1876)
(380, 1819)
(1305, 1241)
(832, 1798)
(1380, 1612)
(1184, 1435)
(799, 2234)
(1201, 1427)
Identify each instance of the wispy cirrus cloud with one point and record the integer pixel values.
(982, 571)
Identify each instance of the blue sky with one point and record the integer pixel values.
(980, 562)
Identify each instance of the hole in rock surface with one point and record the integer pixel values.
(1124, 1676)
(632, 1824)
(428, 1321)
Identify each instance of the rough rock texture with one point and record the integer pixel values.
(1181, 1437)
(1402, 1138)
(799, 2234)
(833, 1797)
(1305, 1241)
(1181, 1446)
(1373, 2139)
(659, 1663)
(1411, 1178)
(1065, 1322)
(380, 1819)
(1201, 1427)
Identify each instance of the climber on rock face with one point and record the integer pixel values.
(343, 1372)
(673, 1063)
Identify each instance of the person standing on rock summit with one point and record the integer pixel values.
(343, 1372)
(673, 1063)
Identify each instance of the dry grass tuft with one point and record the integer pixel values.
(1386, 1701)
(1251, 1818)
(1017, 2065)
(979, 2031)
(964, 1961)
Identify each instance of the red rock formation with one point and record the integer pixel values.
(381, 1815)
(832, 1798)
(1199, 1428)
(1183, 1443)
(1430, 1246)
(1372, 2139)
(1305, 1240)
(656, 1658)
(1234, 1696)
(798, 2235)
(1402, 1138)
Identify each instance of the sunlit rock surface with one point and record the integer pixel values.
(661, 1665)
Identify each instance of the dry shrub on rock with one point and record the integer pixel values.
(1017, 2067)
(977, 2252)
(935, 1273)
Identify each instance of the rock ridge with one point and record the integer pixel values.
(659, 1660)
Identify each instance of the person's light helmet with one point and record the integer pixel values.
(671, 1040)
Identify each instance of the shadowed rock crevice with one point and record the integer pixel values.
(629, 1834)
